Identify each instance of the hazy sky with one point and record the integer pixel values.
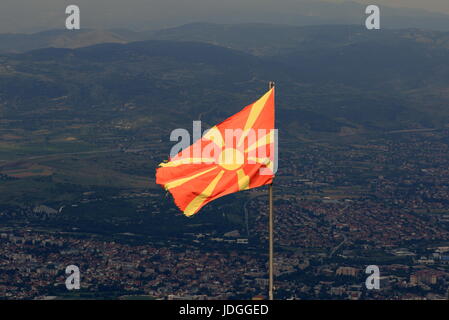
(37, 15)
(429, 5)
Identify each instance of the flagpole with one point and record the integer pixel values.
(270, 232)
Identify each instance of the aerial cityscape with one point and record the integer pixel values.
(362, 183)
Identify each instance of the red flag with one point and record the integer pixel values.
(235, 155)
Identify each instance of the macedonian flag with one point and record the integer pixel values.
(235, 155)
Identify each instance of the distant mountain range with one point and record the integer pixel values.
(289, 13)
(158, 14)
(331, 79)
(239, 36)
(14, 43)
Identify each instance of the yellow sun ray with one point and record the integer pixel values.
(263, 141)
(254, 114)
(213, 134)
(198, 201)
(243, 180)
(178, 182)
(179, 162)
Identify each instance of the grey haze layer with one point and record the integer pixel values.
(34, 16)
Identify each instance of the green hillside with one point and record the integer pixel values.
(99, 117)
